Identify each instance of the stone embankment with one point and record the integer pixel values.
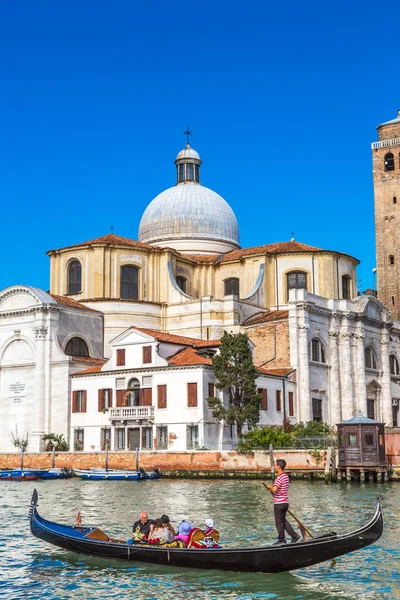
(196, 464)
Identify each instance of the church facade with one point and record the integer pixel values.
(328, 351)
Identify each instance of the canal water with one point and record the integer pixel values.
(242, 511)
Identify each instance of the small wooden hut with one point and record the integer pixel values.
(362, 452)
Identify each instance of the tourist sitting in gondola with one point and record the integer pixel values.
(166, 523)
(159, 533)
(141, 528)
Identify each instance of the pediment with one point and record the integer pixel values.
(22, 297)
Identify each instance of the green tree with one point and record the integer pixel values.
(18, 440)
(236, 375)
(261, 437)
(55, 441)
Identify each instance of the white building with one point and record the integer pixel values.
(151, 394)
(43, 340)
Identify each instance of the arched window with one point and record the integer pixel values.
(346, 287)
(394, 200)
(394, 365)
(393, 300)
(231, 286)
(389, 162)
(133, 397)
(129, 288)
(74, 277)
(76, 346)
(296, 280)
(317, 351)
(391, 259)
(181, 281)
(370, 358)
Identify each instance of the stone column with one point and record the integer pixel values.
(361, 400)
(347, 379)
(334, 379)
(386, 395)
(303, 383)
(40, 378)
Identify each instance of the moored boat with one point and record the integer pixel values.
(19, 475)
(53, 473)
(94, 474)
(267, 559)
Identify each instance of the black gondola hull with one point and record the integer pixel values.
(269, 559)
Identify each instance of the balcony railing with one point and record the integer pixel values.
(128, 413)
(385, 143)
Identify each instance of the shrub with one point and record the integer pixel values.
(262, 437)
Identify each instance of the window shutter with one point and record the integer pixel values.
(162, 396)
(278, 401)
(120, 397)
(147, 397)
(146, 354)
(121, 357)
(264, 399)
(84, 401)
(291, 404)
(74, 402)
(100, 400)
(192, 395)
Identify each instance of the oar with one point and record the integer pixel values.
(302, 527)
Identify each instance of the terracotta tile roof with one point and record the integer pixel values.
(91, 370)
(277, 372)
(267, 317)
(188, 357)
(65, 301)
(291, 247)
(88, 359)
(178, 339)
(112, 240)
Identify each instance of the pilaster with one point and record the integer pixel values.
(386, 396)
(40, 332)
(334, 379)
(304, 401)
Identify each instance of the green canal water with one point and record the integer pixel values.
(242, 511)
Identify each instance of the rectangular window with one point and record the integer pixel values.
(192, 395)
(211, 390)
(315, 350)
(147, 381)
(192, 437)
(79, 439)
(147, 438)
(79, 401)
(105, 399)
(119, 438)
(352, 439)
(264, 398)
(120, 383)
(105, 438)
(369, 439)
(161, 396)
(146, 354)
(121, 357)
(278, 401)
(162, 437)
(291, 404)
(371, 408)
(395, 414)
(317, 409)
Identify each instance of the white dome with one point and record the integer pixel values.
(189, 211)
(188, 152)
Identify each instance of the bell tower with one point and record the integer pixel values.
(386, 175)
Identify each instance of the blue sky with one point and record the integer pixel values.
(283, 98)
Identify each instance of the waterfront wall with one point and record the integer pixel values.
(178, 463)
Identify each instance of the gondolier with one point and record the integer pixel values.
(280, 491)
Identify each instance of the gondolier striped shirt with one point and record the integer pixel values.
(281, 495)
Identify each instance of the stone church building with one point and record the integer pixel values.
(329, 350)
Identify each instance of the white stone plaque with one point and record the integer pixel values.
(16, 392)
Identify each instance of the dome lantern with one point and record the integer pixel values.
(188, 166)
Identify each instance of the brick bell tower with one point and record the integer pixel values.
(386, 174)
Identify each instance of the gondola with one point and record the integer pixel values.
(267, 559)
(94, 474)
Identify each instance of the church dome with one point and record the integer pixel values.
(190, 217)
